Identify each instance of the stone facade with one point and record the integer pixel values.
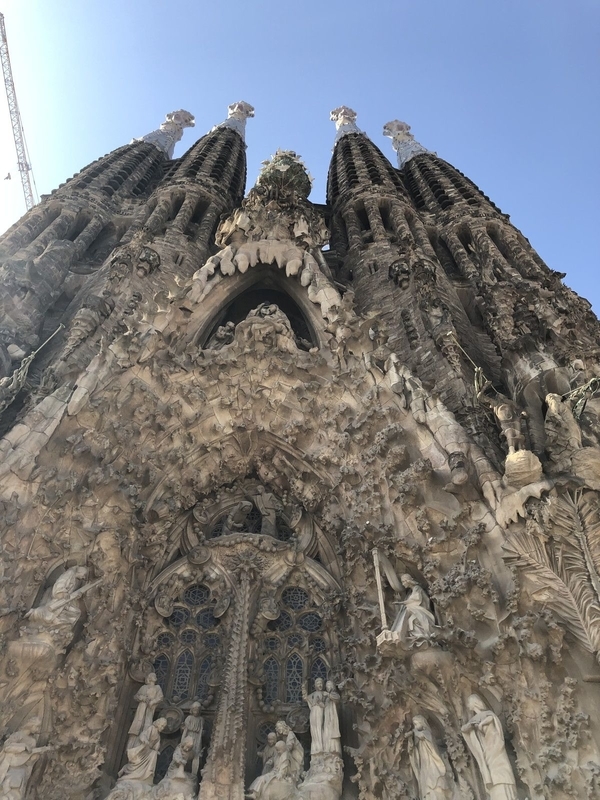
(289, 520)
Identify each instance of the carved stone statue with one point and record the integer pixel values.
(414, 622)
(177, 783)
(267, 754)
(508, 417)
(193, 727)
(17, 759)
(281, 781)
(50, 626)
(269, 506)
(324, 722)
(294, 748)
(141, 759)
(148, 697)
(485, 738)
(236, 519)
(426, 762)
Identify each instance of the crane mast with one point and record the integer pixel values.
(15, 119)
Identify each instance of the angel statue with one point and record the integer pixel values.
(485, 738)
(414, 625)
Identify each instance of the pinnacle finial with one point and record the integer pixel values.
(345, 121)
(237, 115)
(403, 141)
(170, 131)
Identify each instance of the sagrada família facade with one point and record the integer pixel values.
(297, 501)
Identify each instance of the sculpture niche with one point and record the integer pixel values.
(414, 626)
(485, 738)
(428, 766)
(283, 758)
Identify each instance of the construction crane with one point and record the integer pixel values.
(15, 120)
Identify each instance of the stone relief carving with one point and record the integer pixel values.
(17, 758)
(485, 739)
(429, 767)
(147, 698)
(276, 225)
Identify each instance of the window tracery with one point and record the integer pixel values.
(188, 646)
(291, 649)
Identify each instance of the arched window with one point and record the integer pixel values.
(293, 648)
(189, 646)
(162, 762)
(293, 679)
(183, 674)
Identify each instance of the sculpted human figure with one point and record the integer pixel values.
(193, 728)
(414, 622)
(182, 754)
(280, 782)
(267, 754)
(426, 762)
(316, 704)
(508, 417)
(269, 506)
(49, 627)
(294, 748)
(332, 742)
(148, 697)
(17, 760)
(485, 738)
(141, 759)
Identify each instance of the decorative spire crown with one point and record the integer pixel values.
(345, 121)
(170, 131)
(403, 141)
(238, 113)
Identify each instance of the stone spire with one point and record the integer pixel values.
(345, 121)
(403, 141)
(237, 115)
(170, 131)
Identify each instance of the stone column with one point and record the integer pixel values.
(223, 775)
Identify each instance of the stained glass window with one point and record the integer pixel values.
(293, 679)
(272, 643)
(161, 669)
(310, 622)
(179, 616)
(196, 595)
(294, 597)
(271, 680)
(295, 640)
(188, 636)
(319, 670)
(318, 645)
(164, 640)
(212, 641)
(253, 521)
(202, 687)
(284, 532)
(183, 674)
(282, 623)
(206, 619)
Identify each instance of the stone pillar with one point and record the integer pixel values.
(223, 775)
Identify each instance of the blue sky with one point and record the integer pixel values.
(506, 90)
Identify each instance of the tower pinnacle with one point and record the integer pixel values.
(237, 115)
(403, 141)
(170, 131)
(345, 121)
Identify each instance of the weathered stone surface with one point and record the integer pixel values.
(345, 496)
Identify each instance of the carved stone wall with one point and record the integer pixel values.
(235, 518)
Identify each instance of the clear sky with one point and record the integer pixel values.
(506, 90)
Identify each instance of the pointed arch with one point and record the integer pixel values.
(212, 311)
